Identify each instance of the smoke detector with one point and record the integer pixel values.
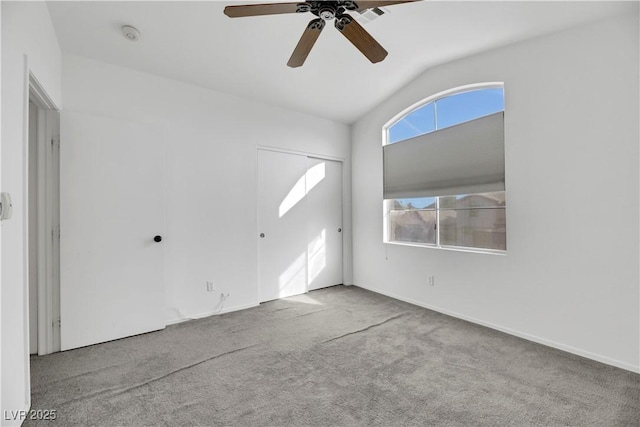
(130, 33)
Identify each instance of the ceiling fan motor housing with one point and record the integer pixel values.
(326, 10)
(327, 13)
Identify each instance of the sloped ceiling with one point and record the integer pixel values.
(196, 43)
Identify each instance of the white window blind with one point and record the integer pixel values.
(462, 159)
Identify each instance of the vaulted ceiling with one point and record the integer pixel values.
(196, 43)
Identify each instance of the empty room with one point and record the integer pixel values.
(327, 213)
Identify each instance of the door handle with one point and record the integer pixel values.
(157, 239)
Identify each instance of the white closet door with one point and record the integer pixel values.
(282, 219)
(299, 224)
(111, 208)
(324, 223)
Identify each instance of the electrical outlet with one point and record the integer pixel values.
(211, 286)
(431, 281)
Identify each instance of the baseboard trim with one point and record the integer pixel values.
(210, 313)
(526, 336)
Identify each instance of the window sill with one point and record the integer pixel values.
(450, 248)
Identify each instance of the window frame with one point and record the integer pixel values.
(387, 227)
(387, 203)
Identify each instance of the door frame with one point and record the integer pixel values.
(306, 154)
(48, 241)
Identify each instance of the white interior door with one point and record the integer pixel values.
(111, 207)
(324, 223)
(282, 219)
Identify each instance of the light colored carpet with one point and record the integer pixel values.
(337, 356)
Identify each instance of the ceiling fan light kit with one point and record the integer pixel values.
(325, 11)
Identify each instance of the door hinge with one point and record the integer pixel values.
(55, 141)
(57, 323)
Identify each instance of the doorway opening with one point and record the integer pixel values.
(43, 225)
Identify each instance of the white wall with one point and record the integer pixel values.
(570, 277)
(211, 141)
(26, 30)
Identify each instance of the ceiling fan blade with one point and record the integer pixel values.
(363, 5)
(360, 38)
(308, 39)
(261, 9)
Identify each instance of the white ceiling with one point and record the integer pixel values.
(196, 43)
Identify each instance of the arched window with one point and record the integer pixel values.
(444, 171)
(446, 110)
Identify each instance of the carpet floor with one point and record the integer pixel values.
(341, 356)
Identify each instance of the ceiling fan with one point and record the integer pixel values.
(325, 11)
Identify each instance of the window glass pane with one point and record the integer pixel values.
(423, 203)
(465, 106)
(465, 201)
(418, 226)
(474, 228)
(416, 123)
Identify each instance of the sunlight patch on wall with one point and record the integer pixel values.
(302, 187)
(294, 279)
(317, 250)
(315, 175)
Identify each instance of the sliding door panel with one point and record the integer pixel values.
(282, 218)
(324, 223)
